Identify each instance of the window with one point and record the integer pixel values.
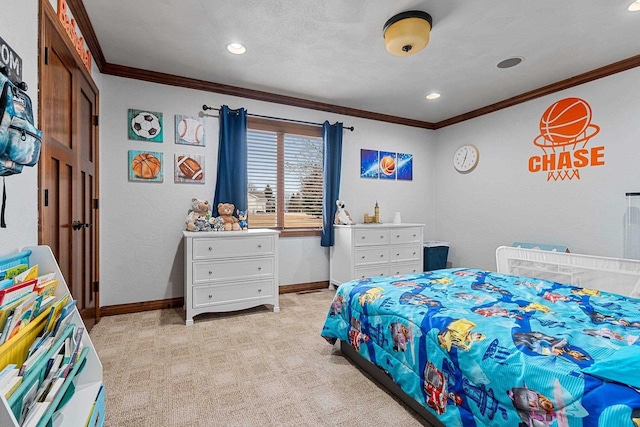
(284, 168)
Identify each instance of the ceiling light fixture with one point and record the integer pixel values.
(236, 48)
(510, 62)
(433, 95)
(407, 33)
(634, 7)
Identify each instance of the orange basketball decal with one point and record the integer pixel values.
(388, 165)
(565, 130)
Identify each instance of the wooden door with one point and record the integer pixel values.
(68, 172)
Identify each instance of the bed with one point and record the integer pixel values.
(466, 347)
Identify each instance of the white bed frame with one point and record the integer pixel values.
(618, 275)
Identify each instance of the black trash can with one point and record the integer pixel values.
(435, 255)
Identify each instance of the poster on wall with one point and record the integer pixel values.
(405, 166)
(145, 126)
(145, 166)
(369, 163)
(387, 165)
(189, 168)
(189, 130)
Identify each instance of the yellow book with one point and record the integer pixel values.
(12, 386)
(6, 310)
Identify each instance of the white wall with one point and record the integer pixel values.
(20, 30)
(142, 223)
(501, 202)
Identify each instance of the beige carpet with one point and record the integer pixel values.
(249, 368)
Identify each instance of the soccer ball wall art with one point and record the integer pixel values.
(145, 126)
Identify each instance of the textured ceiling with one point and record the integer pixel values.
(332, 51)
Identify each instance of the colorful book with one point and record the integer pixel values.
(27, 275)
(12, 272)
(11, 386)
(16, 291)
(54, 315)
(7, 310)
(23, 314)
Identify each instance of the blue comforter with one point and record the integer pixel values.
(485, 349)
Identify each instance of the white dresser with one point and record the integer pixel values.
(367, 250)
(230, 270)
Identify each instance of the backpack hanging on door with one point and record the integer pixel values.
(20, 140)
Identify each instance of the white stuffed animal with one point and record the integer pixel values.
(342, 215)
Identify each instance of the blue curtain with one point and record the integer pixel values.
(231, 184)
(332, 135)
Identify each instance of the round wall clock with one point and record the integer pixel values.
(466, 158)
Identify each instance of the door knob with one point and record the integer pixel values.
(79, 225)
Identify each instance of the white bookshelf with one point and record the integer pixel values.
(88, 382)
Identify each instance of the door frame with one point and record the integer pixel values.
(47, 14)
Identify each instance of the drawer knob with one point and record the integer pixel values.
(414, 253)
(210, 296)
(414, 235)
(259, 290)
(259, 245)
(398, 236)
(397, 254)
(210, 272)
(259, 268)
(362, 237)
(362, 256)
(210, 248)
(381, 255)
(382, 237)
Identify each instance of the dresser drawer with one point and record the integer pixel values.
(371, 255)
(222, 294)
(405, 235)
(235, 269)
(373, 271)
(371, 236)
(404, 253)
(404, 268)
(228, 247)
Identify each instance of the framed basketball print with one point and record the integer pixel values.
(145, 166)
(369, 164)
(405, 166)
(387, 165)
(189, 168)
(189, 130)
(145, 126)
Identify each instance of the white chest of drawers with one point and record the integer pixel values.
(230, 270)
(367, 250)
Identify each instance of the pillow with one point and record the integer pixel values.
(618, 367)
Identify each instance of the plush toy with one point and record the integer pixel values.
(342, 215)
(199, 208)
(216, 223)
(242, 219)
(225, 211)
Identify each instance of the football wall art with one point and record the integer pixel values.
(189, 168)
(145, 166)
(386, 165)
(145, 126)
(189, 130)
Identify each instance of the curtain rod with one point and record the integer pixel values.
(351, 128)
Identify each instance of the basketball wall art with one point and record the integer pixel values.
(565, 130)
(386, 165)
(145, 166)
(145, 125)
(189, 130)
(189, 168)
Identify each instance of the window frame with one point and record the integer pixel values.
(280, 128)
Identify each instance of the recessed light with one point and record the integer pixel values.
(634, 7)
(236, 48)
(510, 62)
(433, 95)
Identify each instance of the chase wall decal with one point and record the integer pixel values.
(565, 130)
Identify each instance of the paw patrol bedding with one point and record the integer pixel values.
(478, 348)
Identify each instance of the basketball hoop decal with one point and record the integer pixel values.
(565, 130)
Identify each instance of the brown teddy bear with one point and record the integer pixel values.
(200, 209)
(225, 211)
